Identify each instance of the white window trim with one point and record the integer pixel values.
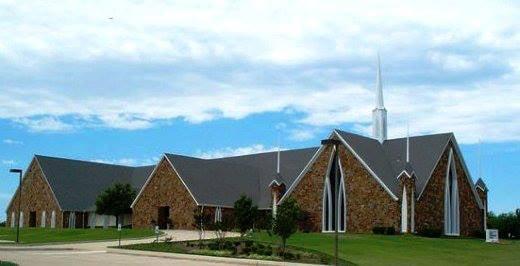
(342, 193)
(218, 214)
(327, 192)
(404, 211)
(53, 219)
(13, 220)
(44, 218)
(412, 222)
(451, 199)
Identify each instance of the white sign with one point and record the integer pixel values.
(492, 235)
(119, 227)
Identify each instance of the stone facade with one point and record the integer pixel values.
(36, 197)
(368, 204)
(430, 206)
(164, 188)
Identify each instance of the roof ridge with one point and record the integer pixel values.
(243, 155)
(90, 162)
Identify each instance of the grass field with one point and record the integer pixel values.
(46, 235)
(406, 250)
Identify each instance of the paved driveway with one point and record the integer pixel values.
(97, 253)
(80, 258)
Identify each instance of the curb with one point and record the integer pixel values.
(34, 249)
(194, 257)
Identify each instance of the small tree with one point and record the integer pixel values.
(245, 214)
(221, 227)
(115, 200)
(200, 219)
(285, 222)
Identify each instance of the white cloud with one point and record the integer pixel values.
(449, 66)
(8, 162)
(48, 123)
(128, 161)
(302, 134)
(12, 142)
(452, 62)
(229, 151)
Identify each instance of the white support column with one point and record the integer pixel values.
(404, 212)
(44, 217)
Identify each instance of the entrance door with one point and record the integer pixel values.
(32, 219)
(163, 215)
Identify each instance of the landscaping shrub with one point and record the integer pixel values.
(382, 230)
(430, 232)
(304, 222)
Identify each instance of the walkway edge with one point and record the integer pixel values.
(193, 257)
(29, 248)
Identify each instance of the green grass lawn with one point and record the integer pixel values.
(7, 263)
(47, 235)
(368, 249)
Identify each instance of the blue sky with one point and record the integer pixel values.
(223, 78)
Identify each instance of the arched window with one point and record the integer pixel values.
(334, 183)
(53, 219)
(451, 199)
(218, 214)
(44, 216)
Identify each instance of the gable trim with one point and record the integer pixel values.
(164, 157)
(146, 183)
(182, 180)
(302, 174)
(468, 176)
(433, 169)
(366, 166)
(464, 168)
(35, 160)
(481, 188)
(404, 172)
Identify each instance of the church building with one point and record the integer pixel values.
(411, 183)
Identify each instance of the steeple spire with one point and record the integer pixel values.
(379, 113)
(407, 142)
(379, 85)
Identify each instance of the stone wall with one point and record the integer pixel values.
(36, 197)
(165, 188)
(368, 204)
(430, 207)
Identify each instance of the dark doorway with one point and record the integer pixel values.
(32, 219)
(163, 216)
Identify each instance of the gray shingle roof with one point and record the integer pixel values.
(387, 160)
(76, 184)
(222, 181)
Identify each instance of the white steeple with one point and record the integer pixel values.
(407, 143)
(379, 113)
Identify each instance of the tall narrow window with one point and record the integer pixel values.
(218, 214)
(44, 216)
(72, 220)
(53, 219)
(412, 199)
(334, 206)
(404, 211)
(21, 219)
(451, 199)
(13, 220)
